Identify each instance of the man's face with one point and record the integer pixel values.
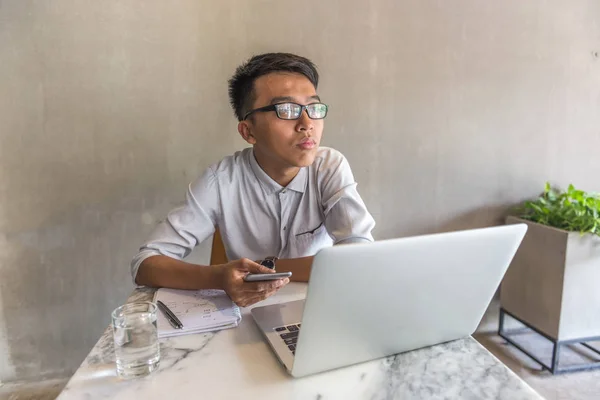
(284, 143)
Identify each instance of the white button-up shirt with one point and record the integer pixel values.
(257, 217)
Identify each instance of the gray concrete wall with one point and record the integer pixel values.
(449, 112)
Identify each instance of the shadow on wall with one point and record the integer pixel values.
(481, 217)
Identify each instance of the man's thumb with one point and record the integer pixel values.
(258, 269)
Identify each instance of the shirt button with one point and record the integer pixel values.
(283, 191)
(284, 228)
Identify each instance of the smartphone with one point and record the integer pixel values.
(266, 277)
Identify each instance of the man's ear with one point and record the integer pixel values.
(245, 131)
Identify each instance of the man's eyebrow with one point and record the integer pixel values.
(282, 99)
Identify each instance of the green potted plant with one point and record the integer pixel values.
(571, 210)
(553, 282)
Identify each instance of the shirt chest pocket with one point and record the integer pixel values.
(310, 240)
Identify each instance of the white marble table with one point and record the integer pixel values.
(238, 364)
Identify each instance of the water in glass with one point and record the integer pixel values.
(137, 351)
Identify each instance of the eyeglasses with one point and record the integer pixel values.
(293, 110)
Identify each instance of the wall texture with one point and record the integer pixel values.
(449, 112)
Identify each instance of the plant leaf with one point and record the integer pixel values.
(573, 210)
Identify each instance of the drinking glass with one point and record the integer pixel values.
(137, 351)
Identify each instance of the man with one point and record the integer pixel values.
(279, 201)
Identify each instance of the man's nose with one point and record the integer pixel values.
(305, 123)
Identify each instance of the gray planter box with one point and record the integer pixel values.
(553, 282)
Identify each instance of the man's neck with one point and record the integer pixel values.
(282, 176)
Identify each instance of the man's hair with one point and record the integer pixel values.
(241, 85)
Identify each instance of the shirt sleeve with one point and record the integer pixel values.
(346, 216)
(185, 226)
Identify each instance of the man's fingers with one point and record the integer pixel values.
(255, 287)
(271, 289)
(261, 296)
(248, 293)
(258, 291)
(274, 284)
(248, 301)
(255, 297)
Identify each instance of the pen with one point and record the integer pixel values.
(173, 320)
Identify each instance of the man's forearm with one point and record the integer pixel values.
(299, 267)
(163, 271)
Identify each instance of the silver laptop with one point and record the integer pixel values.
(367, 301)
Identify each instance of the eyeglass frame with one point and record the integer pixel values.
(273, 107)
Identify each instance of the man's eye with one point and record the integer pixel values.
(285, 110)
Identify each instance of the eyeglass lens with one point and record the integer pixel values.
(293, 111)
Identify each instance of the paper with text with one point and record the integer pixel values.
(198, 310)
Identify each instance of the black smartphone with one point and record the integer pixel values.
(266, 277)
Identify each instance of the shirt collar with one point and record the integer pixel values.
(298, 184)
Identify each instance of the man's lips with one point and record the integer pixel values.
(307, 144)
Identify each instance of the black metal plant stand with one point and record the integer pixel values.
(554, 368)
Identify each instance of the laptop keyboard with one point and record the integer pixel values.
(289, 334)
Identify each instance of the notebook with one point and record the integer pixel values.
(198, 310)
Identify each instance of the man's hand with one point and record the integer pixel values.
(247, 293)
